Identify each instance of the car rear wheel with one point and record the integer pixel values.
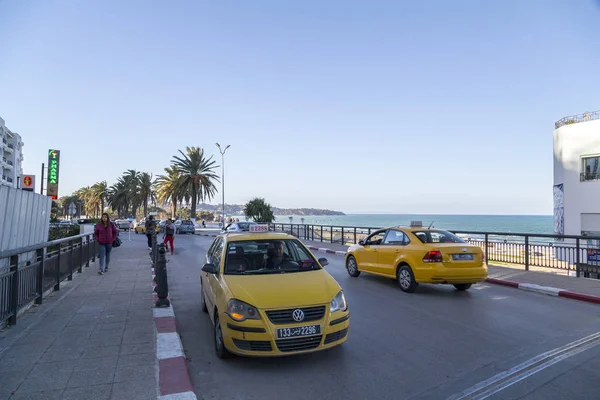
(220, 348)
(352, 267)
(462, 286)
(406, 279)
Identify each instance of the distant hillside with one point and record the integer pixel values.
(237, 209)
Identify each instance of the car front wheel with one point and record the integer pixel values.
(220, 348)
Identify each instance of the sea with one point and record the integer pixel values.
(482, 223)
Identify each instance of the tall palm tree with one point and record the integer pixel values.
(197, 174)
(131, 180)
(118, 196)
(146, 190)
(100, 192)
(169, 189)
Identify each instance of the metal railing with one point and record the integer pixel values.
(580, 254)
(27, 280)
(575, 119)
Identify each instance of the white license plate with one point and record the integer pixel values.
(462, 257)
(298, 331)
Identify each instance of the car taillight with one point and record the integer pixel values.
(433, 256)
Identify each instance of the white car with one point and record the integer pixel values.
(123, 224)
(239, 226)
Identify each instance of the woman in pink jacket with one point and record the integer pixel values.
(105, 234)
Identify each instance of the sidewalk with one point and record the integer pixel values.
(513, 276)
(93, 339)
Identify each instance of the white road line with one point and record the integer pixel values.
(168, 345)
(163, 312)
(522, 371)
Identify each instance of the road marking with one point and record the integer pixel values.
(522, 371)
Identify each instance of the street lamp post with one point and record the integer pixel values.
(223, 177)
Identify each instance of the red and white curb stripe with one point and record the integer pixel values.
(551, 291)
(174, 379)
(530, 287)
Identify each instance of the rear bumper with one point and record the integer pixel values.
(439, 273)
(258, 338)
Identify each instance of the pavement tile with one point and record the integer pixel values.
(17, 364)
(97, 392)
(144, 389)
(143, 338)
(10, 381)
(111, 326)
(43, 369)
(100, 351)
(46, 395)
(128, 360)
(91, 377)
(134, 373)
(47, 381)
(138, 348)
(85, 364)
(61, 354)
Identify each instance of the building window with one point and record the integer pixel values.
(590, 168)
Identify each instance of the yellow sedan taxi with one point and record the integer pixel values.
(267, 295)
(415, 254)
(141, 227)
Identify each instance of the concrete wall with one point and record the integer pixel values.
(571, 144)
(24, 219)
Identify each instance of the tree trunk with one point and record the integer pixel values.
(146, 207)
(174, 208)
(194, 198)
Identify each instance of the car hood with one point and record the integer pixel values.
(284, 290)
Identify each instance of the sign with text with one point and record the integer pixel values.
(53, 170)
(28, 183)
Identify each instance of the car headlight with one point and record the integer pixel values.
(339, 302)
(240, 311)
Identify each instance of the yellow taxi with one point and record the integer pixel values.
(267, 295)
(416, 254)
(141, 227)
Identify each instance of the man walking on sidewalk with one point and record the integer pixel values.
(150, 230)
(169, 236)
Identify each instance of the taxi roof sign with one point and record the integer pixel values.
(258, 228)
(416, 223)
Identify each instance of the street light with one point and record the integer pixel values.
(223, 176)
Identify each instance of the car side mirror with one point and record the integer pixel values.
(323, 261)
(210, 268)
(361, 242)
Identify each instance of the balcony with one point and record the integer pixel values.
(575, 119)
(8, 147)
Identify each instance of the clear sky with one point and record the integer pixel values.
(359, 106)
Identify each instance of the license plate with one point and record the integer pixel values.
(298, 331)
(462, 257)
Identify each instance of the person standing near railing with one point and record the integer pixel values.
(150, 230)
(105, 233)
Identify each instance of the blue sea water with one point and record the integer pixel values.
(489, 223)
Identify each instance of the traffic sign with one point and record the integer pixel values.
(72, 209)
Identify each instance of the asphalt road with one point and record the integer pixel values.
(431, 344)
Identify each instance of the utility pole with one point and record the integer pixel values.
(42, 180)
(223, 177)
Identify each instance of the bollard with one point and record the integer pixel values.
(154, 251)
(162, 284)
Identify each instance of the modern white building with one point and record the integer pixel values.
(11, 156)
(577, 175)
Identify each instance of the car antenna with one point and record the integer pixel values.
(430, 225)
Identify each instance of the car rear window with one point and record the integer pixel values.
(186, 223)
(429, 236)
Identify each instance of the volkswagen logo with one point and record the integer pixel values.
(298, 315)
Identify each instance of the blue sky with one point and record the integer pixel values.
(359, 106)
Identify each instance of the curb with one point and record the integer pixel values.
(174, 381)
(550, 291)
(530, 287)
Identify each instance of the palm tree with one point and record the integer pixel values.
(118, 196)
(169, 189)
(100, 192)
(131, 179)
(259, 210)
(86, 196)
(145, 190)
(197, 175)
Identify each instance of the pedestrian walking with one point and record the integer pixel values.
(150, 230)
(105, 233)
(169, 236)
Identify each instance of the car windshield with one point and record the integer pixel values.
(254, 257)
(429, 236)
(186, 223)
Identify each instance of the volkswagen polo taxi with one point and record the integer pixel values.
(416, 254)
(267, 295)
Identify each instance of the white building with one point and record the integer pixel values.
(577, 175)
(11, 156)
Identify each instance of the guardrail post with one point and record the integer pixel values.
(162, 283)
(39, 285)
(343, 238)
(321, 233)
(89, 245)
(487, 247)
(577, 257)
(354, 235)
(57, 274)
(331, 234)
(526, 253)
(71, 250)
(80, 270)
(14, 293)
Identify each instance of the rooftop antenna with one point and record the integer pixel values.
(430, 225)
